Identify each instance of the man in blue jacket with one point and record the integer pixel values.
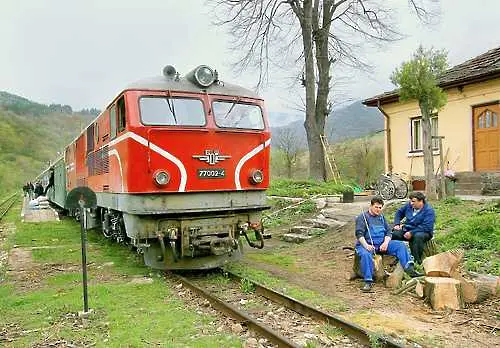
(418, 227)
(374, 236)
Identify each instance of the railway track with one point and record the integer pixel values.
(312, 317)
(6, 204)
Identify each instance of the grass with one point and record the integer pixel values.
(284, 261)
(126, 313)
(280, 216)
(311, 297)
(303, 188)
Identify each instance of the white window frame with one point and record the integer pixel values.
(416, 141)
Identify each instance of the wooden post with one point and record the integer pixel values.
(441, 167)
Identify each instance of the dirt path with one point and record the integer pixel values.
(325, 268)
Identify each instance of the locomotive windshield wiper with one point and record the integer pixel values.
(232, 107)
(171, 107)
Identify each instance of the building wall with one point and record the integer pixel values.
(454, 123)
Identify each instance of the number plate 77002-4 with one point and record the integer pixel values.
(211, 173)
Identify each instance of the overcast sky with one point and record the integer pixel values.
(82, 53)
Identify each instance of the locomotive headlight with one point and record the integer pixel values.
(256, 176)
(202, 75)
(161, 177)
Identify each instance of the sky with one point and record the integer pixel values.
(84, 52)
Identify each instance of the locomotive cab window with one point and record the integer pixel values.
(112, 122)
(238, 115)
(121, 114)
(165, 111)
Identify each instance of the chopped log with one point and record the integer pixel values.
(396, 277)
(442, 264)
(419, 290)
(491, 281)
(443, 293)
(473, 291)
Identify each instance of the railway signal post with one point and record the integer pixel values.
(82, 198)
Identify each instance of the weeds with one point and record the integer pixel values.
(287, 216)
(303, 188)
(247, 286)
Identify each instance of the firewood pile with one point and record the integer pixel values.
(445, 284)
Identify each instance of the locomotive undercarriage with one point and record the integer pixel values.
(206, 235)
(190, 242)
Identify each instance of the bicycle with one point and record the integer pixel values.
(391, 185)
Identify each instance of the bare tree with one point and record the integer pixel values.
(287, 141)
(316, 32)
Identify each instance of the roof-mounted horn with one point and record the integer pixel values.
(169, 71)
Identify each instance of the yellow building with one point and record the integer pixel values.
(469, 123)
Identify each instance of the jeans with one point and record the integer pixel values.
(417, 242)
(395, 248)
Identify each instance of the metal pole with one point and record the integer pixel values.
(84, 258)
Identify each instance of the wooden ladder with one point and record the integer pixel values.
(330, 159)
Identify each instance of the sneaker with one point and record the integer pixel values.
(367, 287)
(412, 273)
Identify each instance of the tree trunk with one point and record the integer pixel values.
(430, 180)
(289, 168)
(317, 168)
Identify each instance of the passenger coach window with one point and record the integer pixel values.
(112, 121)
(233, 115)
(163, 111)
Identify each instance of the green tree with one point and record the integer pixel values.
(417, 80)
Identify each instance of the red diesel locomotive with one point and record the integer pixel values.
(179, 165)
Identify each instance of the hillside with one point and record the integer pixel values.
(352, 121)
(31, 134)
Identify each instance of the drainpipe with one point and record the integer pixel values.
(388, 137)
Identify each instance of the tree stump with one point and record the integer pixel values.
(443, 293)
(430, 248)
(443, 264)
(378, 263)
(395, 278)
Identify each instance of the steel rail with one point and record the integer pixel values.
(352, 329)
(9, 202)
(241, 316)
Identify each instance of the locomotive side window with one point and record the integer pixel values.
(235, 115)
(90, 138)
(121, 114)
(163, 111)
(112, 122)
(96, 131)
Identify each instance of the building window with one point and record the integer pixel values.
(488, 119)
(417, 138)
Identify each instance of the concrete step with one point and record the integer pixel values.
(468, 192)
(469, 186)
(295, 238)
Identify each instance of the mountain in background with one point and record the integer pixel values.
(31, 134)
(352, 121)
(282, 119)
